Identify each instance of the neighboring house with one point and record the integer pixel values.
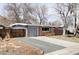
(29, 30)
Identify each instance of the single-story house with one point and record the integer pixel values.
(28, 30)
(22, 29)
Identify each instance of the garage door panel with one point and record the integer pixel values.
(32, 31)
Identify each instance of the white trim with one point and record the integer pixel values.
(32, 25)
(18, 28)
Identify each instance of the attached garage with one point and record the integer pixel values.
(18, 30)
(22, 30)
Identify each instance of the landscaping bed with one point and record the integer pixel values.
(11, 46)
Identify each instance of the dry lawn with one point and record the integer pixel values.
(13, 47)
(73, 39)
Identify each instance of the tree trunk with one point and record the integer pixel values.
(75, 26)
(64, 31)
(40, 22)
(65, 27)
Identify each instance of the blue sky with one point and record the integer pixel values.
(51, 11)
(1, 8)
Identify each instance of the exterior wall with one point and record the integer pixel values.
(38, 31)
(58, 31)
(53, 31)
(15, 32)
(24, 32)
(46, 33)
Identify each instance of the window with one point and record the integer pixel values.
(45, 29)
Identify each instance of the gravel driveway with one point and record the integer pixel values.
(45, 46)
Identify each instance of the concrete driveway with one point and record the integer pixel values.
(72, 48)
(50, 45)
(55, 41)
(47, 47)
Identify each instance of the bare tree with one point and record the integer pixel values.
(13, 11)
(65, 10)
(57, 23)
(27, 10)
(22, 12)
(41, 13)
